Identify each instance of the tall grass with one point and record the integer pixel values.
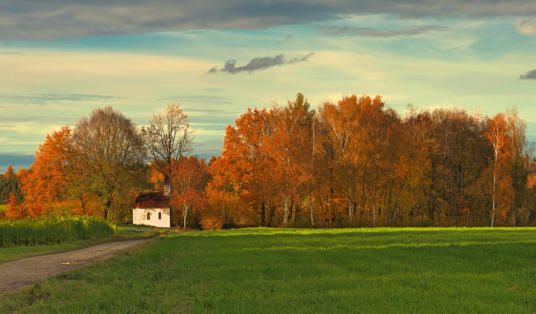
(52, 230)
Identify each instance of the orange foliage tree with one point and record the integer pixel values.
(14, 210)
(45, 184)
(354, 162)
(358, 163)
(189, 178)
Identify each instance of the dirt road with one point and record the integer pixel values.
(28, 270)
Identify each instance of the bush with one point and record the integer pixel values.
(52, 230)
(211, 222)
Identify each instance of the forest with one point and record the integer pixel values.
(353, 163)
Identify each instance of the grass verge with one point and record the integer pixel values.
(284, 270)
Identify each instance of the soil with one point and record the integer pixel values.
(25, 271)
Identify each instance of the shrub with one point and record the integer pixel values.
(211, 222)
(52, 230)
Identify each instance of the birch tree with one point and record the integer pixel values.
(167, 138)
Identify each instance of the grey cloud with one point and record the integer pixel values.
(43, 99)
(287, 38)
(8, 52)
(214, 89)
(208, 149)
(372, 32)
(11, 117)
(202, 99)
(530, 75)
(45, 20)
(527, 27)
(259, 63)
(221, 118)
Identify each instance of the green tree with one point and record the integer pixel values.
(107, 157)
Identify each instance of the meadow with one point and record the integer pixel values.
(425, 270)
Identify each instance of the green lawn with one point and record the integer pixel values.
(287, 270)
(123, 232)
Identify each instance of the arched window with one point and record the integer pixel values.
(148, 216)
(159, 215)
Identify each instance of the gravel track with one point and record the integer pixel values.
(25, 271)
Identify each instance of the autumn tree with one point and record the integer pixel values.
(520, 161)
(342, 125)
(107, 156)
(290, 146)
(14, 210)
(364, 165)
(496, 133)
(245, 174)
(47, 180)
(9, 183)
(189, 178)
(168, 138)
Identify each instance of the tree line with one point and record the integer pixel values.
(350, 163)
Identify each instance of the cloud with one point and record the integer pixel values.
(46, 20)
(287, 39)
(259, 63)
(527, 27)
(200, 99)
(530, 75)
(207, 149)
(45, 98)
(8, 52)
(373, 32)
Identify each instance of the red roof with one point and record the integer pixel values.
(152, 200)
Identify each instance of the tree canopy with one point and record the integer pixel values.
(355, 162)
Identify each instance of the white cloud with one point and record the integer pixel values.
(199, 131)
(146, 84)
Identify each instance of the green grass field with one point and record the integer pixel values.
(287, 270)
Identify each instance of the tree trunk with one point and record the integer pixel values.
(514, 217)
(350, 206)
(83, 204)
(263, 213)
(285, 214)
(272, 213)
(184, 214)
(494, 189)
(374, 208)
(362, 200)
(311, 210)
(107, 209)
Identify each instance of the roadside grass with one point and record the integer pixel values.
(123, 232)
(260, 270)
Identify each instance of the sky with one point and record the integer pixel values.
(60, 59)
